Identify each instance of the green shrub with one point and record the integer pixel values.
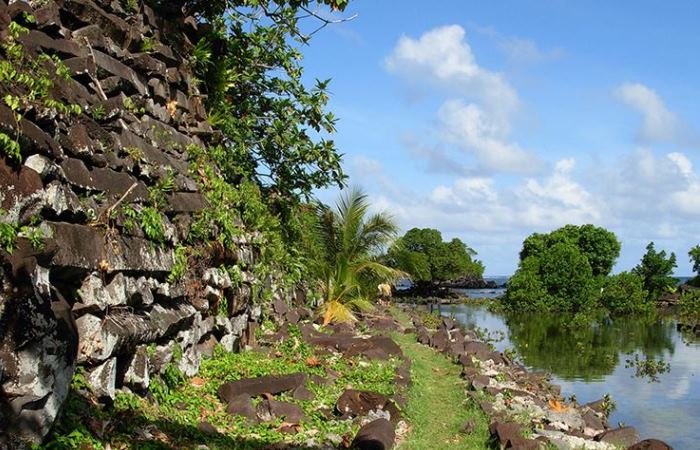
(568, 278)
(624, 293)
(525, 288)
(689, 307)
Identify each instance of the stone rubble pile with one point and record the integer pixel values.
(378, 415)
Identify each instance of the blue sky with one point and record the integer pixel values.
(493, 120)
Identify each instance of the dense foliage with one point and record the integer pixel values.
(428, 259)
(563, 270)
(625, 293)
(694, 254)
(274, 148)
(600, 246)
(250, 67)
(689, 307)
(656, 271)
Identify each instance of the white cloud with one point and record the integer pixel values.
(443, 57)
(522, 50)
(465, 191)
(477, 119)
(469, 127)
(658, 122)
(366, 165)
(557, 199)
(518, 49)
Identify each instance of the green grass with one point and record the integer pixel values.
(437, 405)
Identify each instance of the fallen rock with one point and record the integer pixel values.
(620, 437)
(207, 428)
(302, 393)
(355, 403)
(137, 375)
(242, 405)
(480, 382)
(563, 441)
(375, 347)
(270, 384)
(650, 444)
(376, 435)
(505, 432)
(102, 379)
(269, 410)
(440, 340)
(422, 335)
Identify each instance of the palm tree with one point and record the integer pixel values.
(353, 241)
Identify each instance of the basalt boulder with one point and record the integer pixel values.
(268, 384)
(376, 435)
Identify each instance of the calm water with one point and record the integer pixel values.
(591, 363)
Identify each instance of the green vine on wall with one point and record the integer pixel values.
(29, 82)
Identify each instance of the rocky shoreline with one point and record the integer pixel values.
(526, 411)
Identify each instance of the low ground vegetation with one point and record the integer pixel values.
(174, 411)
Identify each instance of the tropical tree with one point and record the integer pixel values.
(597, 244)
(694, 254)
(656, 270)
(353, 240)
(563, 270)
(428, 259)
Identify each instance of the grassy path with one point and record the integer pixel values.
(437, 407)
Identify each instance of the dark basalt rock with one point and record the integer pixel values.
(38, 341)
(302, 393)
(505, 432)
(375, 347)
(242, 405)
(440, 340)
(620, 437)
(480, 382)
(269, 410)
(422, 335)
(88, 12)
(353, 403)
(650, 444)
(207, 428)
(376, 435)
(268, 384)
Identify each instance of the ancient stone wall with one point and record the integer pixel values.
(84, 288)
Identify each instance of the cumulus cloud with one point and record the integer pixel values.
(658, 122)
(645, 186)
(476, 120)
(443, 57)
(641, 196)
(468, 126)
(556, 200)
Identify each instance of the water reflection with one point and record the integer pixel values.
(588, 353)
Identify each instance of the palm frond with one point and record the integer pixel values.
(352, 239)
(336, 311)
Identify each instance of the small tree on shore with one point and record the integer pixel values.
(562, 270)
(656, 271)
(429, 260)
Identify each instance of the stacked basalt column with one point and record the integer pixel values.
(97, 294)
